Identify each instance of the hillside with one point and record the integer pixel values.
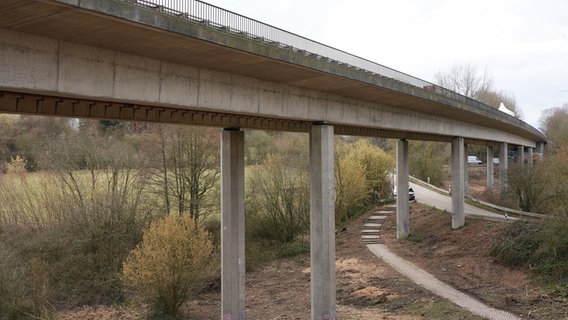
(369, 289)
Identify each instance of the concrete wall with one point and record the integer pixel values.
(37, 64)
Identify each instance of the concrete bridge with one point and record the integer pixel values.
(197, 64)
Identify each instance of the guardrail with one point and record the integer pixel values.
(504, 210)
(509, 210)
(224, 20)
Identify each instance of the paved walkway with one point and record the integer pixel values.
(370, 235)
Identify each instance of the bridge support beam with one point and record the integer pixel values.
(458, 182)
(490, 169)
(530, 157)
(503, 168)
(232, 225)
(322, 222)
(402, 206)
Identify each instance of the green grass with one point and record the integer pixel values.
(436, 308)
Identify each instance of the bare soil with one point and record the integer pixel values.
(367, 288)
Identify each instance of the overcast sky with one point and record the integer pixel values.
(522, 44)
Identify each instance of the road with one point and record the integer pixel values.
(444, 202)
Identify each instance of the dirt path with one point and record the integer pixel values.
(429, 282)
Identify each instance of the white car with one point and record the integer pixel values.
(411, 193)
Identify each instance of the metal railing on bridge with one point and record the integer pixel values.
(224, 20)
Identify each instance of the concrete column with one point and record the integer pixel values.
(521, 155)
(232, 225)
(402, 206)
(503, 168)
(530, 157)
(466, 171)
(458, 181)
(322, 222)
(540, 147)
(490, 169)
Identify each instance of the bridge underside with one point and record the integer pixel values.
(124, 27)
(24, 103)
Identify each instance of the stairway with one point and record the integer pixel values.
(370, 233)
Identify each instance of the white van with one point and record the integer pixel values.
(473, 160)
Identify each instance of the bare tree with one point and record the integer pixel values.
(554, 124)
(190, 167)
(466, 80)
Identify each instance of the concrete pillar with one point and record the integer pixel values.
(503, 168)
(530, 157)
(466, 171)
(490, 169)
(402, 205)
(458, 179)
(322, 222)
(521, 155)
(540, 147)
(232, 225)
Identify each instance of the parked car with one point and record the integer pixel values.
(411, 193)
(496, 161)
(473, 160)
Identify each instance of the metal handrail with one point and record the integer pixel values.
(224, 20)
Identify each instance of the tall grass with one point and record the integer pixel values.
(32, 200)
(82, 224)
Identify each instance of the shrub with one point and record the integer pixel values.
(540, 245)
(17, 165)
(377, 166)
(555, 243)
(170, 264)
(426, 160)
(519, 244)
(361, 177)
(278, 201)
(350, 188)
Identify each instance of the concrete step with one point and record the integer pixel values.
(370, 232)
(370, 225)
(381, 212)
(370, 237)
